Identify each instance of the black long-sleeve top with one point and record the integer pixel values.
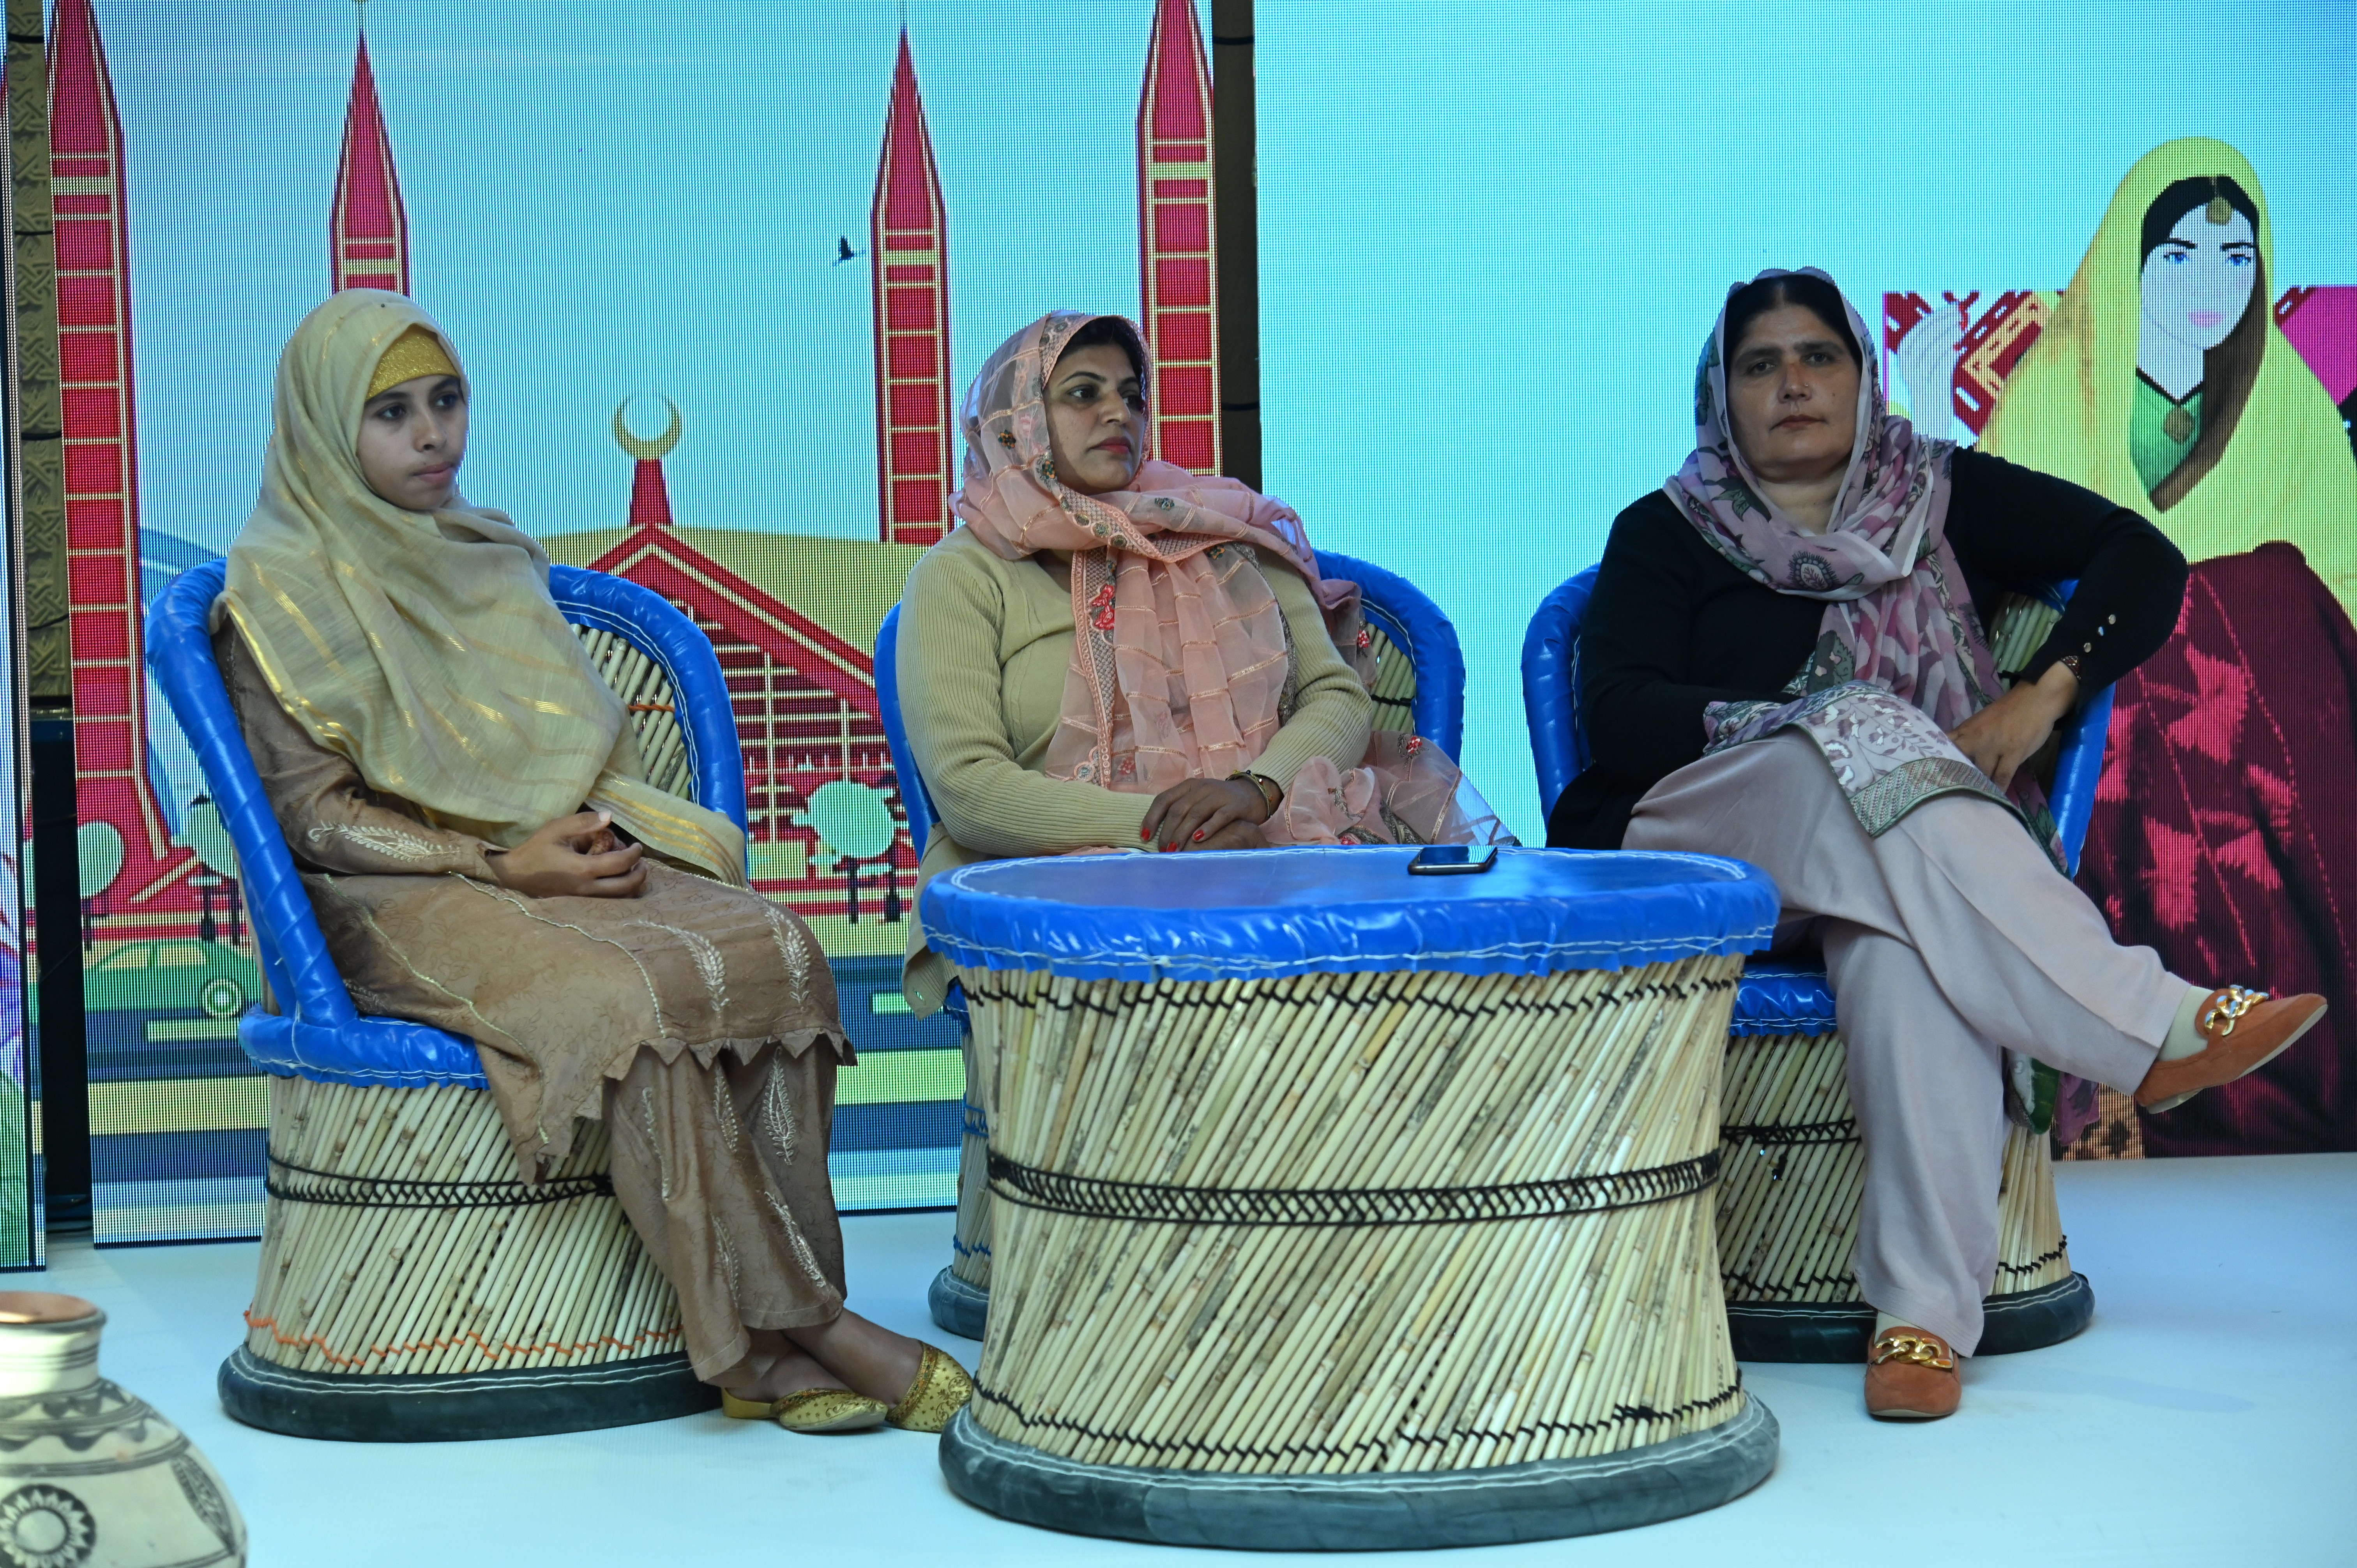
(1673, 625)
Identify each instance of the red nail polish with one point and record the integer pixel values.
(1144, 834)
(1199, 835)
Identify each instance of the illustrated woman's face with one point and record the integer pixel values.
(1791, 394)
(1096, 419)
(2197, 282)
(412, 438)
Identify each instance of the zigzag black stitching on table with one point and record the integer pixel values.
(401, 1192)
(1844, 1131)
(1622, 1414)
(1389, 995)
(2035, 1264)
(1153, 1203)
(1761, 1290)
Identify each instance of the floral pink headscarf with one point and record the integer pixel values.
(1180, 660)
(1893, 617)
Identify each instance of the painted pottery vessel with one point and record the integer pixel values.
(92, 1477)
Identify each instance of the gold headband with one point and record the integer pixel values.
(415, 353)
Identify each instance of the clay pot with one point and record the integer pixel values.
(92, 1477)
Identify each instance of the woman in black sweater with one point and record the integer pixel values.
(1782, 661)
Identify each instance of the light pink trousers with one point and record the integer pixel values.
(1947, 941)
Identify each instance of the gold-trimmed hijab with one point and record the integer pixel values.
(424, 646)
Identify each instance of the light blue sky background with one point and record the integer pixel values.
(1491, 235)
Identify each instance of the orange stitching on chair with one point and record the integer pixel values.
(313, 1342)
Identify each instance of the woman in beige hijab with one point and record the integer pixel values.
(477, 835)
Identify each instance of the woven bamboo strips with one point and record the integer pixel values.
(370, 1286)
(1352, 1348)
(970, 1259)
(1394, 689)
(654, 719)
(1787, 1211)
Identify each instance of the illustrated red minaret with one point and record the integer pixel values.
(908, 258)
(368, 234)
(102, 459)
(1175, 240)
(649, 497)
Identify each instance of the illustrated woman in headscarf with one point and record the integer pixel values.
(2225, 830)
(463, 795)
(1110, 652)
(1783, 662)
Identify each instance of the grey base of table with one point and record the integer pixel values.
(1838, 1331)
(455, 1407)
(1543, 1500)
(958, 1307)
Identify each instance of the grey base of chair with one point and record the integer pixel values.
(1544, 1501)
(957, 1306)
(524, 1403)
(1838, 1331)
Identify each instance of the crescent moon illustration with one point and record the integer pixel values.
(643, 450)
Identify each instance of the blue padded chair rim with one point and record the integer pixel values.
(1406, 615)
(1773, 999)
(916, 804)
(321, 1036)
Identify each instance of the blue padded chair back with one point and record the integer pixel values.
(1392, 604)
(1559, 744)
(318, 1033)
(1551, 687)
(916, 801)
(1399, 609)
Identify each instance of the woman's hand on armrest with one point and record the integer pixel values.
(573, 857)
(2009, 732)
(1207, 813)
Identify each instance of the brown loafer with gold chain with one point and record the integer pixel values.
(1911, 1375)
(941, 1390)
(2245, 1030)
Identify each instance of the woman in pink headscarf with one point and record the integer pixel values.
(1112, 651)
(1783, 662)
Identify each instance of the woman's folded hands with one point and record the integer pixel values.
(1207, 813)
(573, 857)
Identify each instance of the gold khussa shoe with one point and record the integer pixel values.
(941, 1390)
(811, 1410)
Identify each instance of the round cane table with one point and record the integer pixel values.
(1337, 1207)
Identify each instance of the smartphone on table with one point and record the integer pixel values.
(1453, 859)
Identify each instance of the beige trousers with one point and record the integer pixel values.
(1947, 941)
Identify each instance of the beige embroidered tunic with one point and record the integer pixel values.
(686, 1017)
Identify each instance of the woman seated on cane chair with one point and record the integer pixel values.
(1783, 662)
(464, 795)
(1113, 651)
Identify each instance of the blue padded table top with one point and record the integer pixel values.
(1257, 914)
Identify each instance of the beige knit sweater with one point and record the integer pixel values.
(984, 646)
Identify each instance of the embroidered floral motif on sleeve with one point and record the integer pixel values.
(390, 842)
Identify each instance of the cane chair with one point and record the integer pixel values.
(1419, 686)
(410, 1287)
(1793, 1175)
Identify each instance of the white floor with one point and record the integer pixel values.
(2206, 1418)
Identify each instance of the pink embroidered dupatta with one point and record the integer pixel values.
(1181, 658)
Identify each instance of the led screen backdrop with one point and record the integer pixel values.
(721, 270)
(1490, 249)
(21, 1231)
(719, 273)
